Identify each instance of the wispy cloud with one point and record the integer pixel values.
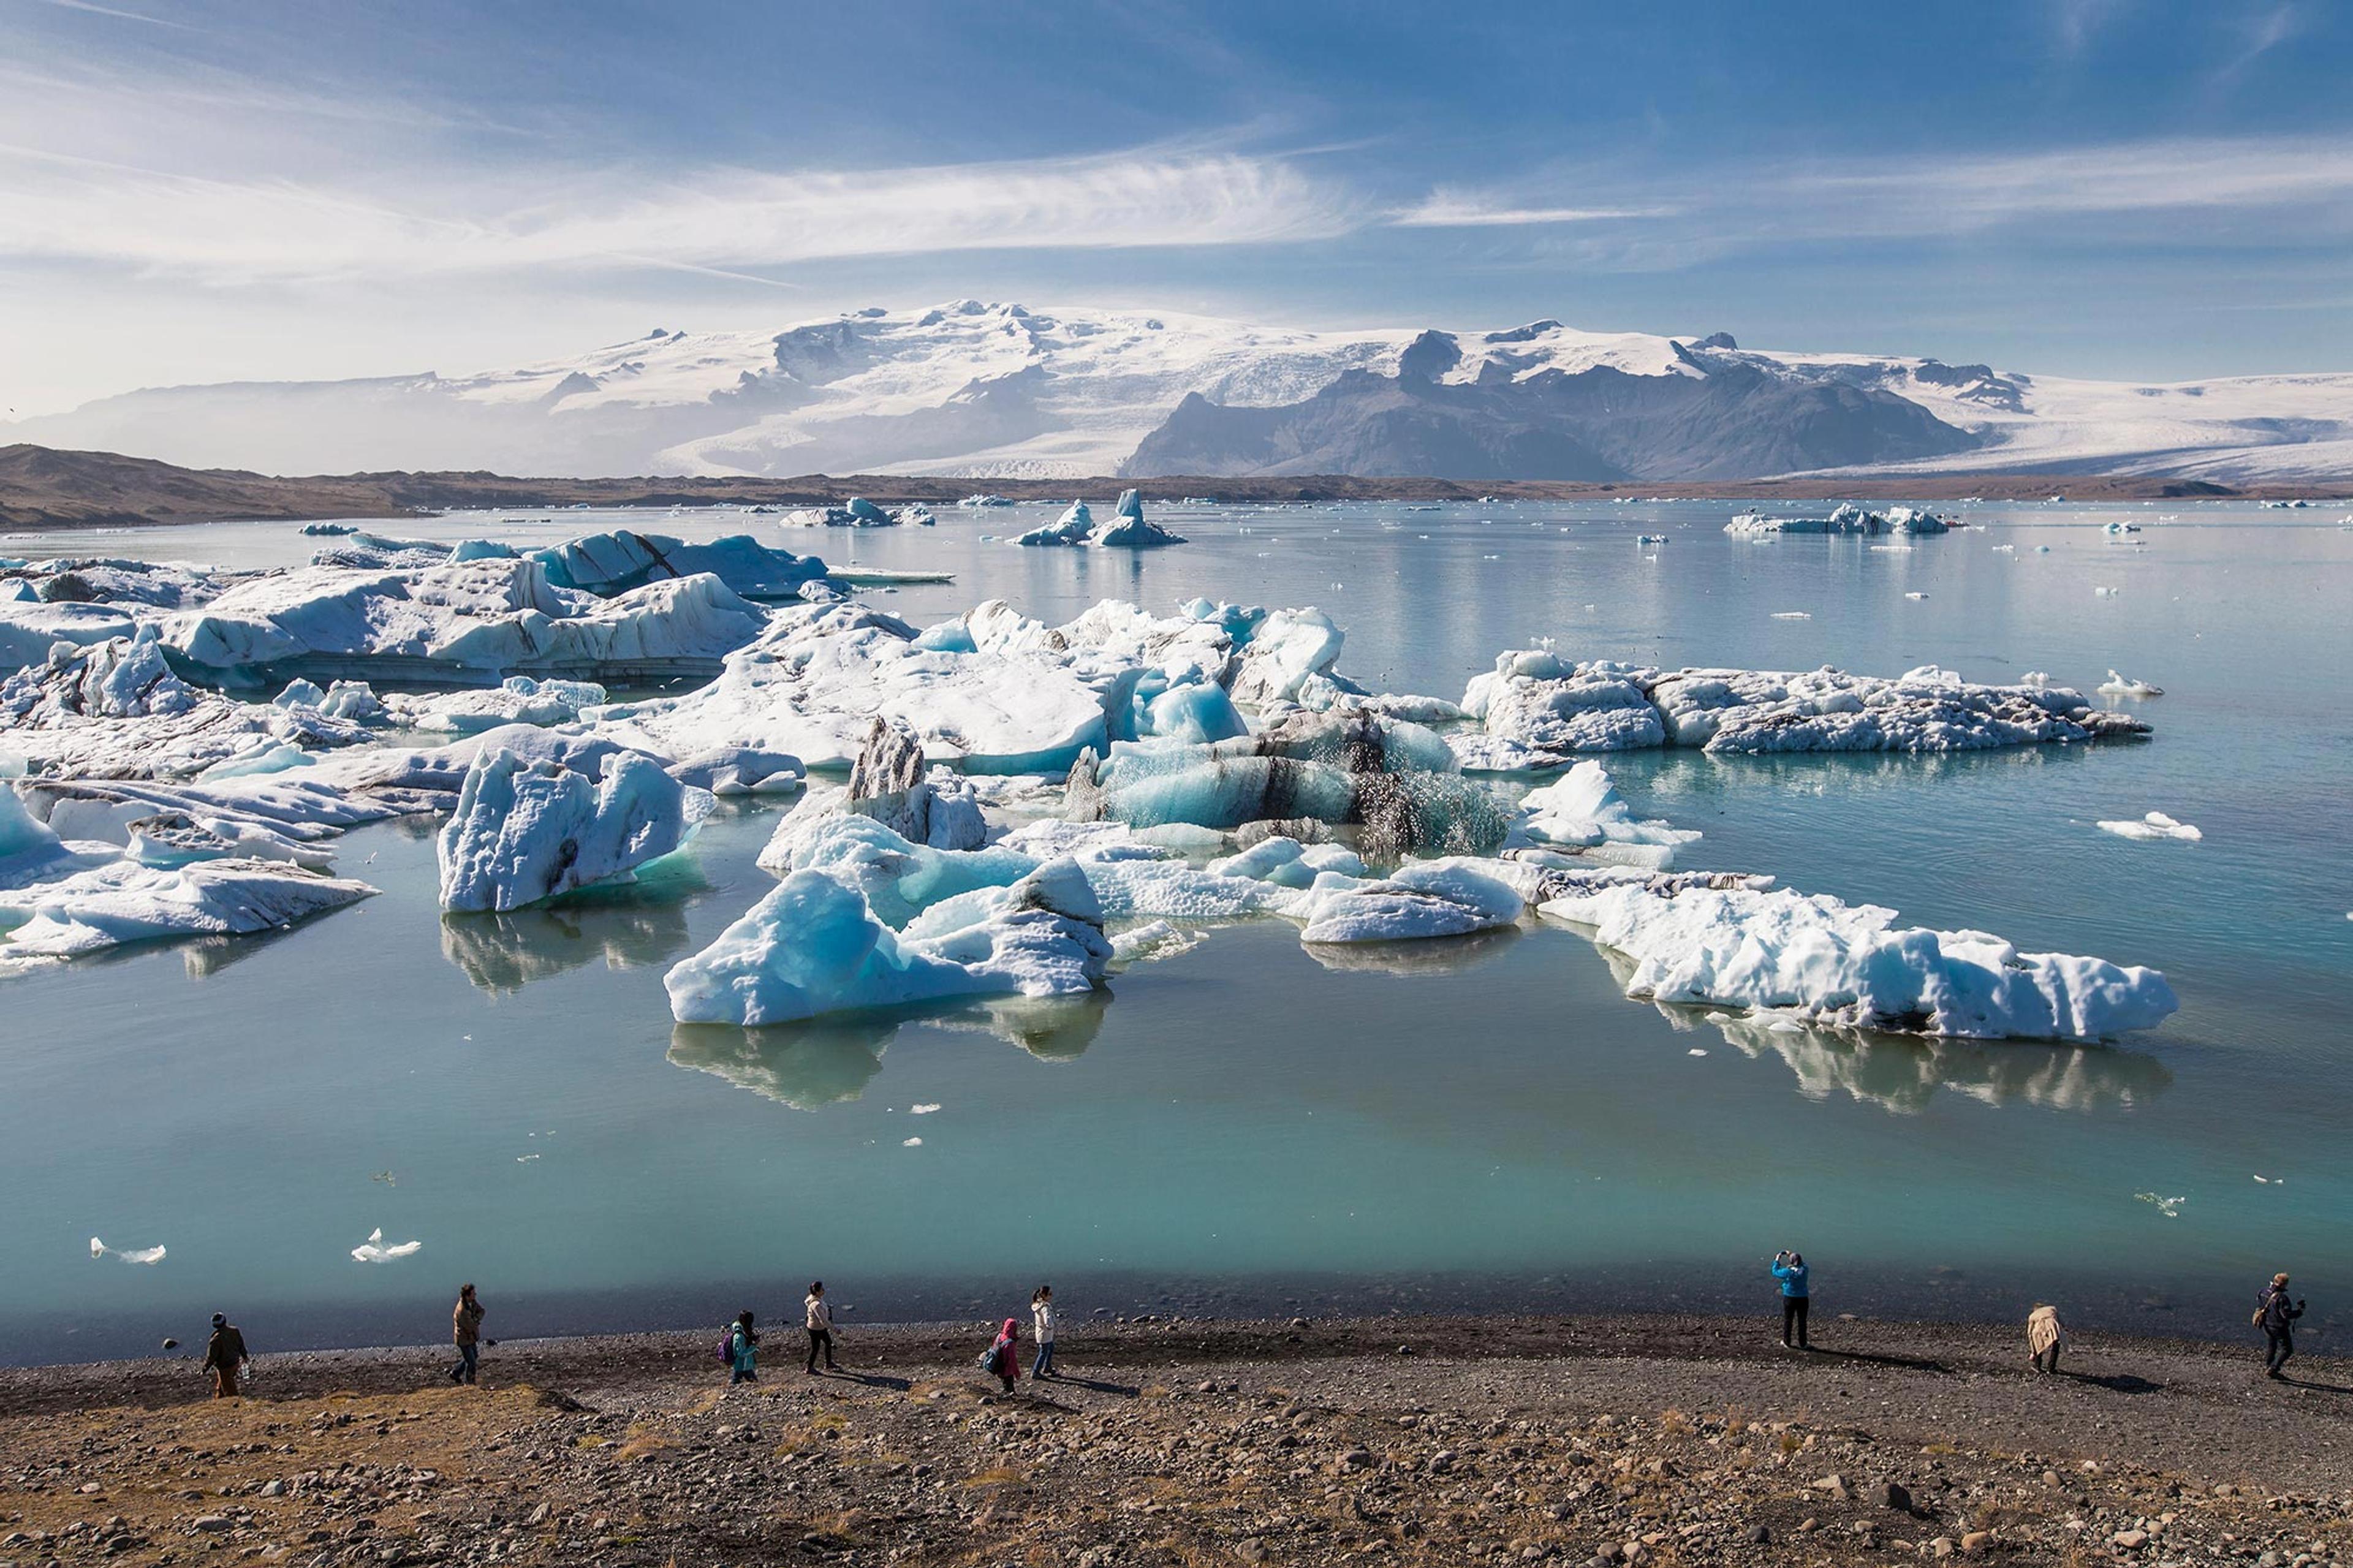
(63, 208)
(1450, 209)
(92, 8)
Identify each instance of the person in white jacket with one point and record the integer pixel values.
(1042, 1320)
(821, 1327)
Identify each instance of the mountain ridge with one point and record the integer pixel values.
(1001, 392)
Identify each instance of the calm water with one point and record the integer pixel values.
(1243, 1127)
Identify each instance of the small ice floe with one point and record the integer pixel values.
(1793, 614)
(1697, 1051)
(1154, 938)
(2155, 825)
(156, 1254)
(373, 1250)
(2267, 1181)
(1916, 595)
(525, 1159)
(2104, 593)
(2169, 1208)
(911, 1142)
(1650, 539)
(923, 1110)
(2118, 686)
(387, 1177)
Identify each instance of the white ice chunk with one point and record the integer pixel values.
(124, 902)
(2117, 686)
(1422, 899)
(524, 832)
(1817, 958)
(1583, 810)
(155, 1254)
(375, 1250)
(2154, 826)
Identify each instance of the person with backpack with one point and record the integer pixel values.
(1790, 1268)
(1041, 1329)
(741, 1350)
(466, 1333)
(1002, 1360)
(224, 1356)
(2045, 1337)
(821, 1327)
(2276, 1316)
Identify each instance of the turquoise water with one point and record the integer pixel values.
(1243, 1127)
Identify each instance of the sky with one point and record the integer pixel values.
(261, 190)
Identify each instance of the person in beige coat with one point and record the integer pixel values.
(2045, 1336)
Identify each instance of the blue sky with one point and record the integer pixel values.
(195, 192)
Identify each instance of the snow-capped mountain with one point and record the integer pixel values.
(1001, 390)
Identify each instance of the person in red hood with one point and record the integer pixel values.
(1004, 1358)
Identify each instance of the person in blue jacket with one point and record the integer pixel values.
(1790, 1268)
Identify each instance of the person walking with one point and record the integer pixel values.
(1041, 1329)
(466, 1333)
(1003, 1359)
(2276, 1316)
(1790, 1268)
(743, 1350)
(224, 1356)
(2045, 1337)
(821, 1327)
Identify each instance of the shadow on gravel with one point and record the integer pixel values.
(1910, 1363)
(1124, 1390)
(2116, 1383)
(2316, 1388)
(865, 1379)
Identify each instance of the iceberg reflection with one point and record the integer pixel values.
(629, 925)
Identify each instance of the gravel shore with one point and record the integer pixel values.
(1628, 1440)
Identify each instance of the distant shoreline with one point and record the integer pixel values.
(42, 490)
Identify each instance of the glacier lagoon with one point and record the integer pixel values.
(1487, 1124)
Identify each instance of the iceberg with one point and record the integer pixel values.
(609, 563)
(526, 831)
(29, 629)
(812, 946)
(811, 686)
(2117, 686)
(1847, 518)
(1582, 811)
(1131, 531)
(518, 699)
(376, 1250)
(1815, 959)
(459, 623)
(1539, 710)
(2155, 826)
(1071, 528)
(1418, 902)
(124, 902)
(1288, 657)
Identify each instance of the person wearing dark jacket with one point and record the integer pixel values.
(224, 1356)
(2276, 1315)
(466, 1333)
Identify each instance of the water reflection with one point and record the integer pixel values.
(825, 1061)
(631, 925)
(1902, 1073)
(1433, 955)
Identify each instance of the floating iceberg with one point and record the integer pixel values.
(1130, 532)
(1582, 811)
(2155, 825)
(1071, 528)
(1418, 902)
(124, 902)
(518, 699)
(1815, 958)
(2117, 686)
(29, 629)
(145, 1255)
(609, 563)
(523, 832)
(812, 946)
(813, 684)
(461, 622)
(859, 514)
(375, 1250)
(1539, 710)
(1848, 518)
